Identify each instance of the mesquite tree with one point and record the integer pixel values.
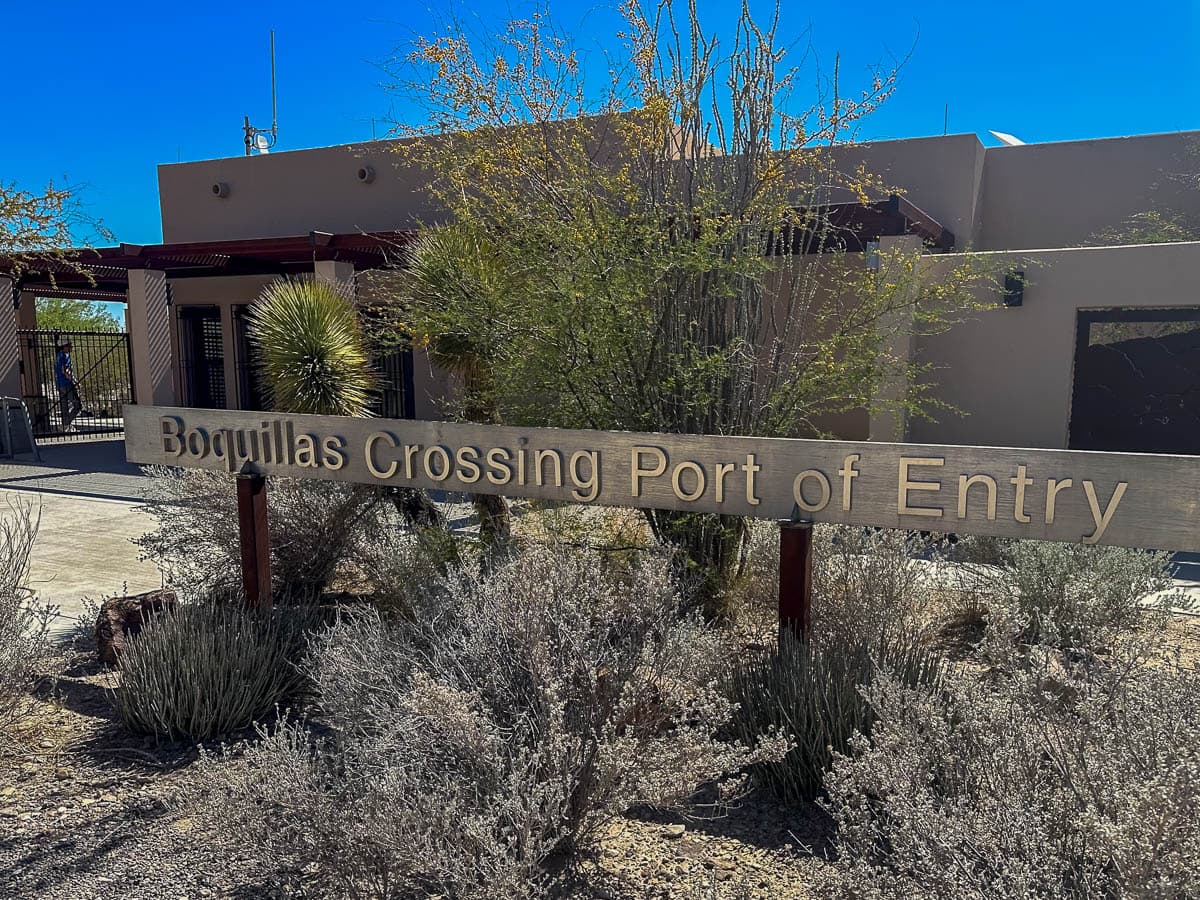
(653, 260)
(36, 222)
(36, 226)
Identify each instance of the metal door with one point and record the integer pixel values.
(1137, 381)
(202, 357)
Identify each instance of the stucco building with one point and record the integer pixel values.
(1098, 349)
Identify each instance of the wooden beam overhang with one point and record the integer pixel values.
(102, 272)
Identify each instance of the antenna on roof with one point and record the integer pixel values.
(1007, 139)
(261, 140)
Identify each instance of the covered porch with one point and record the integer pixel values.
(185, 314)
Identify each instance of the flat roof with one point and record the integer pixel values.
(102, 273)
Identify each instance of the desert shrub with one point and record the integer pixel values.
(83, 631)
(753, 592)
(621, 537)
(397, 565)
(207, 668)
(962, 622)
(24, 622)
(870, 584)
(707, 551)
(313, 355)
(867, 582)
(1083, 599)
(871, 605)
(982, 550)
(315, 526)
(1001, 790)
(811, 690)
(494, 734)
(620, 533)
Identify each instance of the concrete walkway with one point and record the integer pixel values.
(93, 468)
(83, 550)
(86, 494)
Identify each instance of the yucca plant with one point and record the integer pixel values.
(313, 356)
(315, 361)
(811, 691)
(207, 668)
(452, 265)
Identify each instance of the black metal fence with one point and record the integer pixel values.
(75, 383)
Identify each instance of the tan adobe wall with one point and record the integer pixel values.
(285, 194)
(1060, 194)
(1010, 370)
(1032, 196)
(941, 175)
(296, 192)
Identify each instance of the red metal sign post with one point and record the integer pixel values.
(795, 579)
(255, 539)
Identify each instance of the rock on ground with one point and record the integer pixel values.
(121, 618)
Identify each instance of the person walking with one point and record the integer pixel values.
(69, 403)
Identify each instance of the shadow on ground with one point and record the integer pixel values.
(760, 822)
(89, 468)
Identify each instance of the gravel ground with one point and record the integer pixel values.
(758, 850)
(86, 812)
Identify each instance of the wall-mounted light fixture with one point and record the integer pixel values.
(365, 174)
(1014, 288)
(872, 254)
(220, 189)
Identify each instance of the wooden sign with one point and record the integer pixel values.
(1128, 499)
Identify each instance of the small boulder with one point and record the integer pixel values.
(123, 617)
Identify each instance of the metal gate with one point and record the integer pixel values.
(251, 389)
(1137, 381)
(102, 367)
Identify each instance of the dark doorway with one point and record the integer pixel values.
(202, 357)
(1137, 381)
(394, 391)
(252, 392)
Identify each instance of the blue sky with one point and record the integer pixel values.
(99, 94)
